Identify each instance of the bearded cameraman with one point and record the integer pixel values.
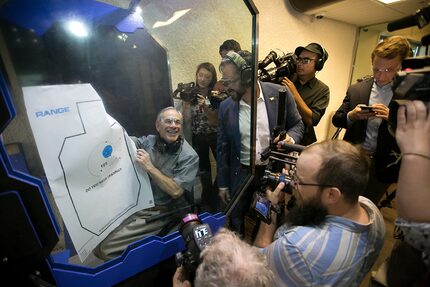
(332, 236)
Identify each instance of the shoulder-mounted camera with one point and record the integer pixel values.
(187, 92)
(284, 66)
(413, 83)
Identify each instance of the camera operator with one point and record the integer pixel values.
(228, 261)
(311, 95)
(364, 113)
(332, 236)
(410, 259)
(202, 112)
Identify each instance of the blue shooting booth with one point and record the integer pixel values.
(133, 53)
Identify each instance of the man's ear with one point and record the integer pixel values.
(157, 126)
(331, 195)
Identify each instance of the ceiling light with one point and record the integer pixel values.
(138, 10)
(176, 16)
(389, 1)
(77, 28)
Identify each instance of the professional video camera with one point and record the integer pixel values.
(196, 236)
(187, 92)
(273, 176)
(285, 66)
(413, 83)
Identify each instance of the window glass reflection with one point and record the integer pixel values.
(132, 61)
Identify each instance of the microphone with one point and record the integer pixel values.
(269, 59)
(402, 23)
(292, 147)
(420, 19)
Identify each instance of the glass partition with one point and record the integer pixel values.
(111, 66)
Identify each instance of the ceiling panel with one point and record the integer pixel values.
(368, 12)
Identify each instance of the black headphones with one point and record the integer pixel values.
(317, 49)
(163, 147)
(319, 64)
(242, 65)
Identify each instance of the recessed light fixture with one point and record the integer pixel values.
(389, 1)
(77, 28)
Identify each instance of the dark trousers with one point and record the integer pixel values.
(237, 216)
(202, 144)
(375, 188)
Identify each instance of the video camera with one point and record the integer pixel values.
(413, 83)
(273, 175)
(285, 66)
(216, 98)
(197, 236)
(188, 93)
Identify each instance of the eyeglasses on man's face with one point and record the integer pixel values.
(171, 121)
(385, 70)
(228, 82)
(304, 61)
(296, 182)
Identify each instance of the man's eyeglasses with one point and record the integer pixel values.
(171, 121)
(385, 70)
(304, 61)
(226, 82)
(296, 181)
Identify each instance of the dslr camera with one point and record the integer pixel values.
(285, 66)
(197, 236)
(273, 175)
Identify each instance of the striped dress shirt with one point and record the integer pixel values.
(339, 253)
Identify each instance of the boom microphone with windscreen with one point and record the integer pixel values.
(420, 19)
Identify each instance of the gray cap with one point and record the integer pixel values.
(312, 47)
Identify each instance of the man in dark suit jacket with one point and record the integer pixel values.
(234, 125)
(364, 113)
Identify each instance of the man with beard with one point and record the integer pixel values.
(234, 130)
(172, 166)
(332, 236)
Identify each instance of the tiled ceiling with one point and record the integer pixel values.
(368, 12)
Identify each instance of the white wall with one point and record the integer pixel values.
(282, 27)
(196, 36)
(363, 63)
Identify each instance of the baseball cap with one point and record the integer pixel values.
(312, 47)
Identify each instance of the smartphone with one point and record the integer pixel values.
(364, 107)
(262, 207)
